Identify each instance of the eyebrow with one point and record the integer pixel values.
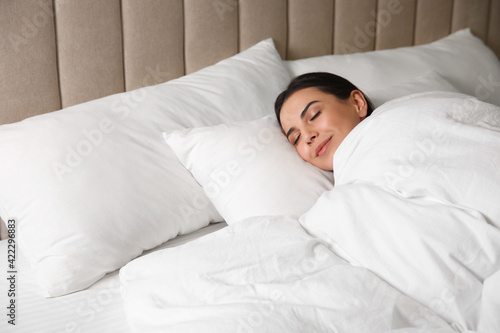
(302, 115)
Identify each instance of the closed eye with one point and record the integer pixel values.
(317, 114)
(296, 140)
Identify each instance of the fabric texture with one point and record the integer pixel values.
(429, 81)
(264, 274)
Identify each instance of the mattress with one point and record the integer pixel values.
(98, 308)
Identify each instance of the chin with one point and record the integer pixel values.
(321, 164)
(325, 167)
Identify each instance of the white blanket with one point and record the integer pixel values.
(263, 274)
(415, 204)
(417, 201)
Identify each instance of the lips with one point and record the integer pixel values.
(322, 147)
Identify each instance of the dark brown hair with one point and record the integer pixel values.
(326, 82)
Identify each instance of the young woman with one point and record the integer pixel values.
(317, 111)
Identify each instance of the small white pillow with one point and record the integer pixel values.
(94, 185)
(429, 81)
(249, 169)
(461, 58)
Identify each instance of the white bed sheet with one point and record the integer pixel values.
(98, 308)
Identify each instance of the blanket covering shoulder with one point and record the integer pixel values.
(437, 145)
(416, 201)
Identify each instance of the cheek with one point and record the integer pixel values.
(303, 152)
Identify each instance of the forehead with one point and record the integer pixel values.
(295, 103)
(305, 95)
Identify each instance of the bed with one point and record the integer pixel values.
(145, 185)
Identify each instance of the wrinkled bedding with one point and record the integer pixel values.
(408, 240)
(263, 274)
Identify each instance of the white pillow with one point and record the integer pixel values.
(461, 58)
(94, 185)
(249, 169)
(429, 81)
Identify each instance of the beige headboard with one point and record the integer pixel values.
(57, 53)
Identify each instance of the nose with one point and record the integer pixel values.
(311, 136)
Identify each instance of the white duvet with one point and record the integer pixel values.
(263, 274)
(414, 210)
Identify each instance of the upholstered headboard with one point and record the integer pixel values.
(57, 53)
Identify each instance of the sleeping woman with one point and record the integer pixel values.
(417, 187)
(317, 111)
(436, 145)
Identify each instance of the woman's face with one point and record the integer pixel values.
(316, 123)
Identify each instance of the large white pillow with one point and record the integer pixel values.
(250, 169)
(429, 81)
(94, 185)
(461, 58)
